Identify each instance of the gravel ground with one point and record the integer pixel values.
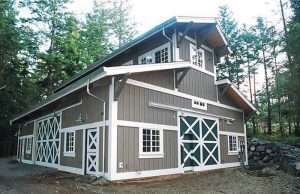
(22, 179)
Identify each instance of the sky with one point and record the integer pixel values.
(149, 13)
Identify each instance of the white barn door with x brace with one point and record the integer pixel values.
(199, 141)
(92, 151)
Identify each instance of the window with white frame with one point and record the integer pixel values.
(199, 104)
(28, 145)
(151, 143)
(197, 56)
(232, 144)
(158, 55)
(69, 143)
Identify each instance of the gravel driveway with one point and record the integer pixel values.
(22, 179)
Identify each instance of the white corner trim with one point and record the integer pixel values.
(229, 133)
(146, 125)
(113, 133)
(70, 169)
(148, 173)
(176, 93)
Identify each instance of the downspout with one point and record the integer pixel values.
(170, 40)
(104, 124)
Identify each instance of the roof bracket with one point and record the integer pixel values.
(119, 85)
(187, 29)
(180, 74)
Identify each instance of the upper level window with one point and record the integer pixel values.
(199, 104)
(69, 143)
(197, 56)
(151, 143)
(158, 55)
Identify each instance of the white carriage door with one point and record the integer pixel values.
(199, 142)
(92, 151)
(47, 141)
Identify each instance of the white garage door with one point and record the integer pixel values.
(199, 141)
(47, 141)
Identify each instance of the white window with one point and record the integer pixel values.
(158, 55)
(69, 143)
(199, 104)
(151, 143)
(197, 56)
(232, 144)
(28, 145)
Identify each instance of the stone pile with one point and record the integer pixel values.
(264, 153)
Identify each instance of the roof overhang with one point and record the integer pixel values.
(235, 94)
(217, 35)
(100, 74)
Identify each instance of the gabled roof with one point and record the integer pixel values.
(237, 93)
(100, 74)
(157, 29)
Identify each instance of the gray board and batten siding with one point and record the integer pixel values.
(128, 151)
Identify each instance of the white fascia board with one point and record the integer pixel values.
(185, 19)
(110, 71)
(243, 97)
(223, 81)
(226, 81)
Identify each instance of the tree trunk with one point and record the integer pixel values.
(269, 121)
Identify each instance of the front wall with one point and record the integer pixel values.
(134, 106)
(76, 161)
(199, 84)
(128, 151)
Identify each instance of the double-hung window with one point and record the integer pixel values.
(233, 147)
(69, 143)
(151, 143)
(197, 56)
(158, 55)
(28, 145)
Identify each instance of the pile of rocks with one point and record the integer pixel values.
(264, 153)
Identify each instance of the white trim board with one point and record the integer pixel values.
(26, 161)
(176, 93)
(174, 108)
(147, 173)
(84, 126)
(70, 169)
(229, 133)
(171, 171)
(146, 125)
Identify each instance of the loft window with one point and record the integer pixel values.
(197, 56)
(232, 144)
(158, 55)
(199, 104)
(69, 143)
(151, 143)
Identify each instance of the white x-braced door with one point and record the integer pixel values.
(92, 151)
(47, 141)
(199, 141)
